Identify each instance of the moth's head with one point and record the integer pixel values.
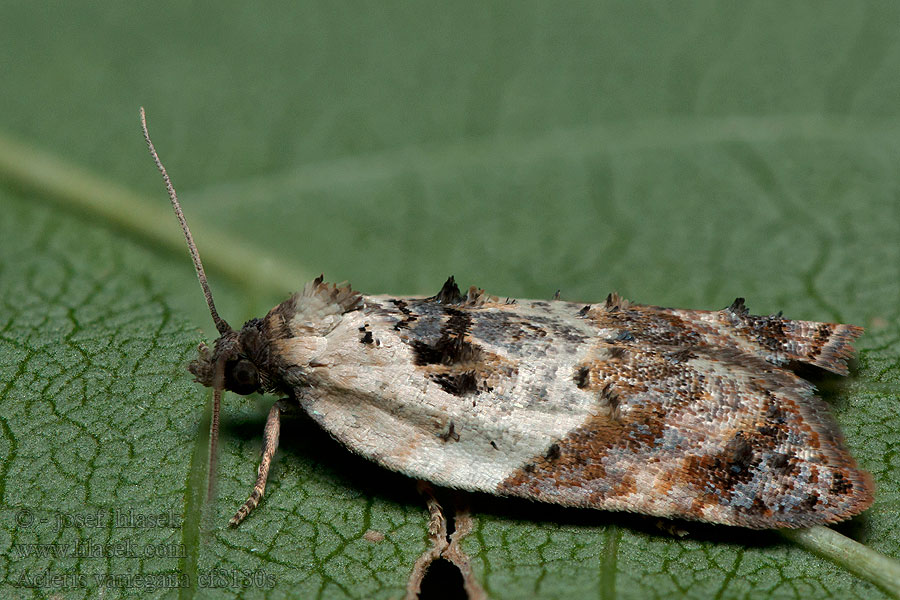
(237, 361)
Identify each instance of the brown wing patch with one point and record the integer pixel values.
(717, 436)
(770, 337)
(826, 345)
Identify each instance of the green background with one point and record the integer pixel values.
(681, 154)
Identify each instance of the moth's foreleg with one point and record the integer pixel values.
(270, 444)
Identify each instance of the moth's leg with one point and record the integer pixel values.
(270, 444)
(437, 520)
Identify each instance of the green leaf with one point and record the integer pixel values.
(679, 155)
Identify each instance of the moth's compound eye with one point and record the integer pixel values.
(241, 377)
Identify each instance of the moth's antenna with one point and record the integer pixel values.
(221, 325)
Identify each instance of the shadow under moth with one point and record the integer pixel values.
(692, 414)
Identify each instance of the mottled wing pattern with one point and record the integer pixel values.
(769, 337)
(701, 422)
(615, 406)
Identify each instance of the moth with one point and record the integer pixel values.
(694, 414)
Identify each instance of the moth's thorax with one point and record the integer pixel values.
(243, 358)
(255, 359)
